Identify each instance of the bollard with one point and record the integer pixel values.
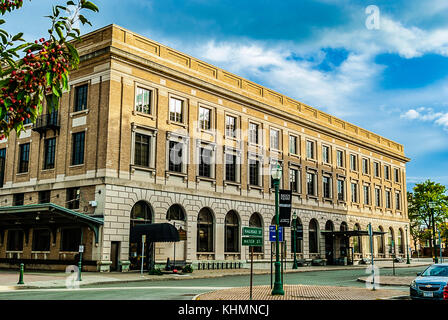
(21, 274)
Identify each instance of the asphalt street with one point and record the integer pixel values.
(186, 289)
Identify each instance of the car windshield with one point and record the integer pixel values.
(436, 271)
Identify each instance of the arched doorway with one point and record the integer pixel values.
(299, 236)
(357, 242)
(313, 237)
(256, 222)
(329, 242)
(205, 234)
(231, 233)
(344, 243)
(177, 250)
(380, 242)
(141, 213)
(391, 242)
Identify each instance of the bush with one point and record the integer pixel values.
(155, 272)
(187, 269)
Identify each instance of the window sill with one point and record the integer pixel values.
(13, 251)
(294, 155)
(342, 202)
(77, 113)
(176, 174)
(231, 138)
(207, 131)
(251, 186)
(40, 252)
(75, 166)
(142, 114)
(366, 175)
(308, 197)
(275, 150)
(255, 145)
(180, 124)
(311, 160)
(232, 183)
(142, 168)
(200, 178)
(47, 170)
(22, 173)
(327, 200)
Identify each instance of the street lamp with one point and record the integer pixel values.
(407, 245)
(432, 205)
(294, 217)
(276, 174)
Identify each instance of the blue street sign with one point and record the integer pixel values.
(272, 233)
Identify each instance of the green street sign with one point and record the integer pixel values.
(252, 232)
(255, 242)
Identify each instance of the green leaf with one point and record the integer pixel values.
(59, 31)
(70, 3)
(49, 77)
(90, 6)
(84, 20)
(55, 91)
(18, 37)
(73, 52)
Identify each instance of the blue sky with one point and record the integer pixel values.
(392, 80)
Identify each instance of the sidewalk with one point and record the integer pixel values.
(48, 279)
(390, 280)
(302, 292)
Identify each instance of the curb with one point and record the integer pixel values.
(385, 284)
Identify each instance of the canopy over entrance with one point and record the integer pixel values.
(155, 232)
(47, 215)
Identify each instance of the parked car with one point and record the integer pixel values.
(431, 284)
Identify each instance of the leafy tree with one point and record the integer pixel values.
(419, 211)
(42, 73)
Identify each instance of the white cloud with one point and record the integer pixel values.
(427, 114)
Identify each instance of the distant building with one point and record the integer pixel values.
(148, 134)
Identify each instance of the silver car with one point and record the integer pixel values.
(431, 284)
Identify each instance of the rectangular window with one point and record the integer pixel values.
(230, 167)
(326, 187)
(311, 184)
(143, 100)
(293, 145)
(141, 150)
(325, 154)
(275, 139)
(18, 199)
(49, 153)
(253, 133)
(205, 118)
(354, 192)
(2, 166)
(78, 148)
(376, 169)
(365, 166)
(175, 156)
(205, 158)
(44, 196)
(176, 110)
(254, 166)
(70, 240)
(397, 175)
(388, 199)
(341, 190)
(397, 201)
(310, 149)
(366, 195)
(378, 197)
(81, 97)
(294, 180)
(15, 240)
(41, 240)
(353, 160)
(73, 195)
(231, 126)
(387, 172)
(24, 157)
(340, 158)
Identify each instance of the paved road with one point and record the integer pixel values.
(185, 289)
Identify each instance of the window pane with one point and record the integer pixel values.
(176, 110)
(81, 97)
(143, 100)
(78, 148)
(175, 156)
(141, 157)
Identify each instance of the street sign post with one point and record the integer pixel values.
(272, 233)
(371, 255)
(143, 252)
(252, 237)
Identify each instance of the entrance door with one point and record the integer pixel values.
(329, 249)
(114, 254)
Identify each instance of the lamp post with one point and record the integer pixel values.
(432, 205)
(294, 216)
(276, 175)
(407, 245)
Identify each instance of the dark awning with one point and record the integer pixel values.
(155, 232)
(352, 233)
(47, 215)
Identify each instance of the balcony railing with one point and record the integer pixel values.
(47, 121)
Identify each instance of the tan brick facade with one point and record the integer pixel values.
(115, 62)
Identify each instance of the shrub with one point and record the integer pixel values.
(155, 272)
(187, 269)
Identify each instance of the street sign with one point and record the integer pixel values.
(252, 232)
(272, 233)
(81, 248)
(250, 241)
(285, 198)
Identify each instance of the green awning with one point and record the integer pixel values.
(46, 215)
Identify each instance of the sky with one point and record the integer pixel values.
(380, 64)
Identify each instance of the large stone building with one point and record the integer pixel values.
(148, 134)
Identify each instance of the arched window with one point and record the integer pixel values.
(205, 231)
(357, 240)
(175, 212)
(255, 221)
(391, 243)
(344, 226)
(380, 241)
(313, 236)
(141, 213)
(299, 236)
(231, 232)
(329, 226)
(400, 241)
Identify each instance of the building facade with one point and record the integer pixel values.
(148, 134)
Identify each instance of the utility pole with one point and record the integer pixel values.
(432, 205)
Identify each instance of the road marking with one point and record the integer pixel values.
(2, 290)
